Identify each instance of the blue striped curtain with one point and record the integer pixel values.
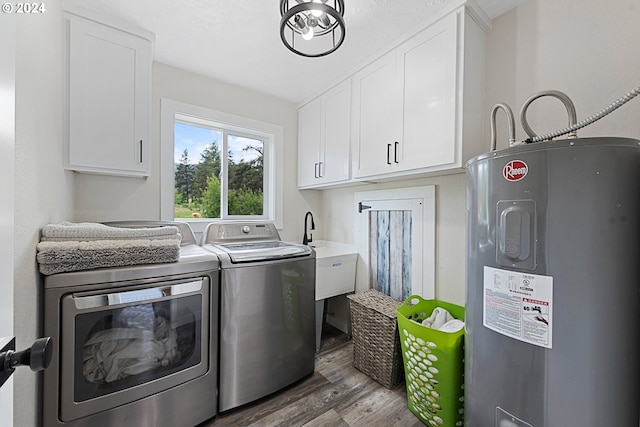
(390, 253)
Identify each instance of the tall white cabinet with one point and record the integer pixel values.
(109, 98)
(323, 138)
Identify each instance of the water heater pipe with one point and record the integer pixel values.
(589, 120)
(510, 120)
(571, 111)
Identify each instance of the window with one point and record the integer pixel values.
(218, 174)
(218, 166)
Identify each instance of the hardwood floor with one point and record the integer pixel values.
(336, 395)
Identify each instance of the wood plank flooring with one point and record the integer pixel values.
(336, 395)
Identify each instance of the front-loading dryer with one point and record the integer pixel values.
(134, 345)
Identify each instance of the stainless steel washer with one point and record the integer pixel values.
(267, 310)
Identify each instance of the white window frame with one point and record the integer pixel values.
(271, 135)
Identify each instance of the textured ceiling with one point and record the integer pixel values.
(238, 41)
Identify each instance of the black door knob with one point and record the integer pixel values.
(37, 357)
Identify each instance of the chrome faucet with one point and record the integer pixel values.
(306, 240)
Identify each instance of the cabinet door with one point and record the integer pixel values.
(427, 64)
(334, 156)
(376, 117)
(309, 142)
(109, 99)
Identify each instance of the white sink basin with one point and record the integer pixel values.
(335, 268)
(326, 248)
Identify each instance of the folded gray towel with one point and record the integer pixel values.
(94, 231)
(61, 257)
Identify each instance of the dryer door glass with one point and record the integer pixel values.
(134, 344)
(128, 342)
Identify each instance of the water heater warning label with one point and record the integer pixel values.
(518, 305)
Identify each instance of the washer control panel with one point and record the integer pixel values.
(226, 232)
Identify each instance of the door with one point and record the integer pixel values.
(309, 142)
(7, 136)
(396, 241)
(334, 160)
(124, 344)
(376, 117)
(427, 64)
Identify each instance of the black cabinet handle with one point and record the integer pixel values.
(315, 170)
(395, 152)
(388, 154)
(140, 151)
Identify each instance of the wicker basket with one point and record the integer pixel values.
(376, 343)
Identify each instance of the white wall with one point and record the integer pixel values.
(585, 49)
(7, 139)
(43, 190)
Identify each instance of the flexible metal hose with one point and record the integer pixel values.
(597, 116)
(568, 104)
(511, 124)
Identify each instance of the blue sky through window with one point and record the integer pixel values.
(193, 138)
(196, 139)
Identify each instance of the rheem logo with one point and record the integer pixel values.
(515, 170)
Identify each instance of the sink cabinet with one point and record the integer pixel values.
(323, 138)
(418, 109)
(109, 98)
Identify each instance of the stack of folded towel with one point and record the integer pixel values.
(84, 246)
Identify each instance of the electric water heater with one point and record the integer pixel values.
(553, 285)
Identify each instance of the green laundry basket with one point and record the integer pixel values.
(433, 363)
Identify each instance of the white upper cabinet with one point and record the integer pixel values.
(418, 109)
(309, 142)
(427, 67)
(377, 117)
(109, 98)
(323, 138)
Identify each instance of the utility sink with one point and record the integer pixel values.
(335, 275)
(335, 268)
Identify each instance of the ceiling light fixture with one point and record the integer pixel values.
(312, 28)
